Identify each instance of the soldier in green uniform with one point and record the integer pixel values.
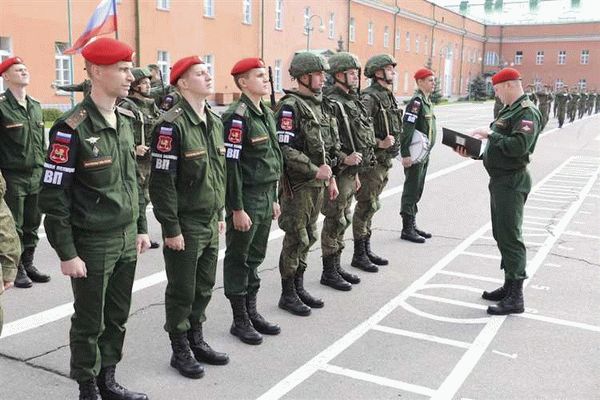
(497, 106)
(85, 87)
(356, 143)
(530, 92)
(572, 104)
(511, 141)
(187, 188)
(254, 165)
(383, 109)
(142, 105)
(544, 99)
(307, 135)
(10, 246)
(418, 116)
(582, 103)
(597, 103)
(91, 200)
(590, 102)
(562, 98)
(21, 159)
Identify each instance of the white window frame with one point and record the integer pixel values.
(562, 57)
(407, 40)
(164, 5)
(370, 35)
(584, 57)
(209, 61)
(279, 15)
(277, 76)
(518, 57)
(163, 60)
(247, 12)
(352, 30)
(558, 84)
(582, 84)
(331, 26)
(539, 57)
(386, 37)
(417, 44)
(209, 8)
(5, 52)
(62, 65)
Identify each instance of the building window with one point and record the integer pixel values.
(209, 8)
(558, 84)
(4, 54)
(426, 48)
(417, 44)
(386, 37)
(407, 41)
(491, 58)
(277, 76)
(582, 84)
(164, 62)
(539, 58)
(352, 29)
(370, 34)
(405, 82)
(247, 10)
(562, 57)
(209, 61)
(278, 14)
(519, 57)
(397, 40)
(162, 4)
(62, 64)
(306, 19)
(331, 26)
(584, 58)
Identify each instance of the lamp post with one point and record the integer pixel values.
(308, 28)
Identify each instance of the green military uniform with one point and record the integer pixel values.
(597, 110)
(254, 166)
(91, 200)
(497, 106)
(85, 87)
(532, 96)
(22, 151)
(572, 106)
(544, 100)
(187, 188)
(590, 103)
(561, 101)
(10, 246)
(582, 104)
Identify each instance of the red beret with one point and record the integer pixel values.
(9, 62)
(246, 65)
(506, 74)
(423, 73)
(107, 51)
(183, 65)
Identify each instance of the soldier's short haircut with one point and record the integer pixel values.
(237, 78)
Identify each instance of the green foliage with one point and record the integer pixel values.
(436, 96)
(478, 90)
(51, 114)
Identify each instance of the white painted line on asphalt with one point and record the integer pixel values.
(594, 196)
(528, 228)
(472, 276)
(545, 200)
(527, 243)
(451, 301)
(536, 234)
(544, 208)
(513, 356)
(475, 254)
(542, 218)
(379, 380)
(559, 321)
(560, 246)
(421, 336)
(583, 235)
(585, 212)
(535, 223)
(441, 318)
(554, 265)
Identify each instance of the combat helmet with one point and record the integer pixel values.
(306, 62)
(378, 62)
(343, 61)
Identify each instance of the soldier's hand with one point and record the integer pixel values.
(141, 150)
(142, 242)
(461, 151)
(406, 162)
(387, 142)
(353, 159)
(221, 227)
(480, 133)
(75, 268)
(333, 189)
(276, 210)
(7, 285)
(324, 173)
(357, 183)
(241, 221)
(176, 243)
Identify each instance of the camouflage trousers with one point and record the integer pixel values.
(143, 176)
(299, 214)
(337, 215)
(10, 249)
(372, 180)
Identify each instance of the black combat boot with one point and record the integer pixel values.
(258, 321)
(498, 294)
(241, 326)
(331, 277)
(290, 301)
(111, 390)
(182, 359)
(408, 230)
(88, 390)
(22, 280)
(348, 277)
(32, 272)
(513, 302)
(420, 232)
(374, 258)
(303, 294)
(360, 259)
(202, 351)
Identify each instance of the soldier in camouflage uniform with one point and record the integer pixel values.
(308, 138)
(561, 100)
(590, 102)
(10, 246)
(581, 104)
(544, 99)
(572, 104)
(357, 142)
(597, 103)
(530, 92)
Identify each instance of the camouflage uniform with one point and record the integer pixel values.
(10, 246)
(572, 105)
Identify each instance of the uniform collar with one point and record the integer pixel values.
(98, 121)
(246, 100)
(13, 100)
(426, 99)
(189, 111)
(517, 103)
(318, 99)
(335, 89)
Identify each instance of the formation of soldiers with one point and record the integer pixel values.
(313, 153)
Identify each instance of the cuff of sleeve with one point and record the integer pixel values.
(405, 153)
(9, 274)
(313, 170)
(142, 228)
(171, 230)
(67, 252)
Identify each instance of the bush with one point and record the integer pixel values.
(51, 114)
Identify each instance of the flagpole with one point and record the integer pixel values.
(114, 2)
(71, 72)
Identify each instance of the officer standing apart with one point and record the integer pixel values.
(307, 135)
(418, 116)
(142, 105)
(254, 164)
(91, 200)
(511, 140)
(22, 151)
(187, 188)
(562, 98)
(383, 109)
(356, 143)
(10, 246)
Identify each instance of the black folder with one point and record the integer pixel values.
(453, 139)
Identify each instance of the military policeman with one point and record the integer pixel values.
(91, 199)
(21, 158)
(383, 109)
(561, 100)
(418, 116)
(142, 105)
(187, 188)
(357, 143)
(254, 164)
(10, 246)
(511, 141)
(307, 135)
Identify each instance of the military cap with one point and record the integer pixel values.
(423, 73)
(183, 65)
(378, 62)
(306, 62)
(342, 61)
(506, 74)
(246, 65)
(9, 62)
(152, 66)
(140, 73)
(107, 51)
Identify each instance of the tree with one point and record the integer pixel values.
(436, 96)
(477, 89)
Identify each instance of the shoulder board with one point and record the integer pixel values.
(241, 109)
(527, 103)
(76, 119)
(127, 104)
(125, 112)
(34, 99)
(172, 114)
(213, 113)
(2, 97)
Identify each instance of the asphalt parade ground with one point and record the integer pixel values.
(416, 330)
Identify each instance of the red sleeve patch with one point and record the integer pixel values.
(235, 135)
(526, 126)
(59, 153)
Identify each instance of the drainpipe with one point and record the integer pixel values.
(429, 64)
(348, 24)
(395, 28)
(138, 23)
(500, 47)
(262, 29)
(462, 53)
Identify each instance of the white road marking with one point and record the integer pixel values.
(560, 246)
(543, 208)
(583, 235)
(552, 265)
(513, 356)
(475, 254)
(421, 336)
(471, 276)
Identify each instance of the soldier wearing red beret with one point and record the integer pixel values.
(92, 203)
(511, 141)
